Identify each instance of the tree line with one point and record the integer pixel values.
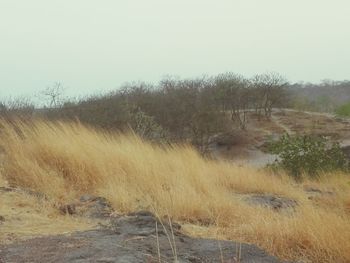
(177, 110)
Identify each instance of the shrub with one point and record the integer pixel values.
(344, 110)
(145, 126)
(308, 154)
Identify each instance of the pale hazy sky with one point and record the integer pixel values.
(92, 46)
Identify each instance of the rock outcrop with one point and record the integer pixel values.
(137, 237)
(274, 202)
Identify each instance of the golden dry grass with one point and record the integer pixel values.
(65, 160)
(25, 216)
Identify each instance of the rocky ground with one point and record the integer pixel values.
(137, 237)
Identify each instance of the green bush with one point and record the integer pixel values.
(145, 125)
(308, 154)
(344, 110)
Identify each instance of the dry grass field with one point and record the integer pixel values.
(66, 160)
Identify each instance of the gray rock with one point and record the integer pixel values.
(315, 192)
(132, 239)
(271, 201)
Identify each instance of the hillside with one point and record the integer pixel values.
(63, 161)
(323, 97)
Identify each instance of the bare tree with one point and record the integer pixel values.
(54, 94)
(234, 96)
(270, 88)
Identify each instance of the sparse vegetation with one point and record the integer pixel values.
(64, 160)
